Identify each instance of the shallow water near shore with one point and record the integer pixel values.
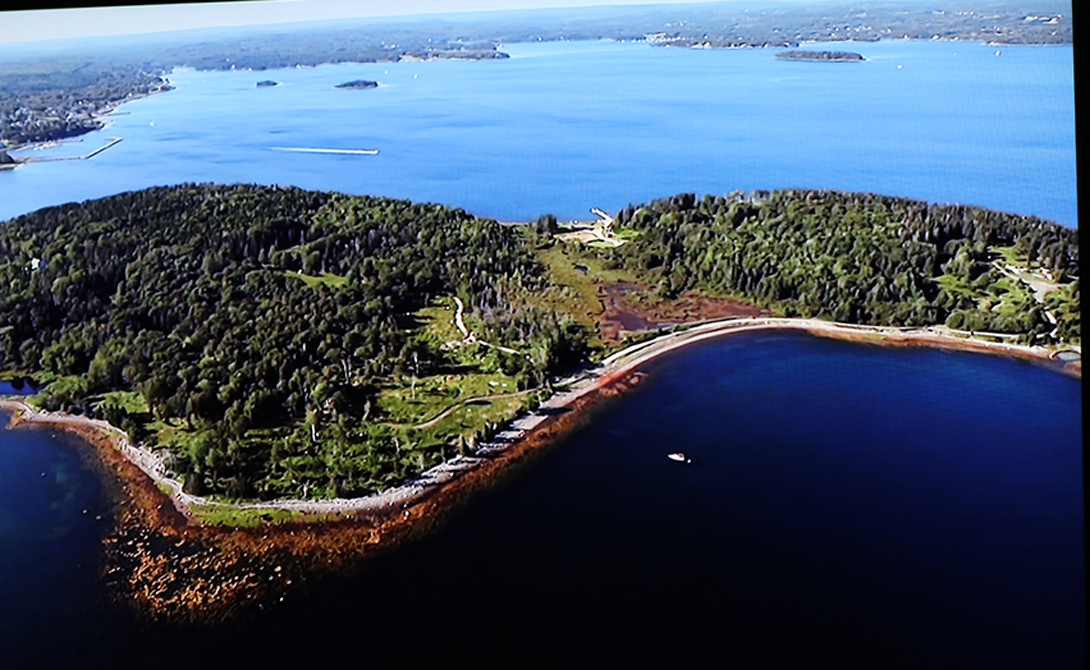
(53, 515)
(7, 388)
(873, 507)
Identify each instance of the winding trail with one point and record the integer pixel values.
(445, 413)
(470, 338)
(613, 368)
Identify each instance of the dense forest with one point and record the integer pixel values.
(273, 342)
(259, 321)
(859, 258)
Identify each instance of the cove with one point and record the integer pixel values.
(850, 503)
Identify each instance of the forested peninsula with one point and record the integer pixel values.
(273, 351)
(273, 343)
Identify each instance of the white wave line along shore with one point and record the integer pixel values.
(351, 152)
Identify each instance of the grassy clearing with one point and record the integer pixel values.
(1006, 295)
(576, 292)
(129, 402)
(226, 515)
(957, 286)
(326, 279)
(56, 387)
(178, 437)
(436, 394)
(473, 417)
(1011, 255)
(438, 319)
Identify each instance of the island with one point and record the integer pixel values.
(357, 84)
(823, 56)
(267, 83)
(278, 382)
(46, 99)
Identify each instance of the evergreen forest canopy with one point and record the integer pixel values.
(860, 258)
(242, 308)
(272, 341)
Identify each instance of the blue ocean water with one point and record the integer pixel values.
(850, 504)
(561, 127)
(873, 507)
(53, 516)
(7, 388)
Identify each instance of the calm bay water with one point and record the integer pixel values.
(876, 507)
(562, 127)
(844, 502)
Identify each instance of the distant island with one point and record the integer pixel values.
(833, 56)
(55, 97)
(358, 83)
(265, 83)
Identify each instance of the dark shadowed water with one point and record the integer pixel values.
(871, 507)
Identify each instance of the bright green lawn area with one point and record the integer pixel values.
(326, 279)
(225, 515)
(437, 393)
(1010, 255)
(1007, 295)
(958, 286)
(129, 402)
(438, 319)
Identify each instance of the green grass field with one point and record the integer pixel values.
(226, 515)
(326, 279)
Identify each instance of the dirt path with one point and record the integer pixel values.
(445, 413)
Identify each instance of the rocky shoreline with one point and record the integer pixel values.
(169, 566)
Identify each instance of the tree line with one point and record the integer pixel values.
(246, 311)
(853, 257)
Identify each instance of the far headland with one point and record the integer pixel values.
(824, 56)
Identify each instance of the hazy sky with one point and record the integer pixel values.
(35, 25)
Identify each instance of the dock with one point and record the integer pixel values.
(102, 148)
(53, 159)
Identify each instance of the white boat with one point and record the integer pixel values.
(679, 457)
